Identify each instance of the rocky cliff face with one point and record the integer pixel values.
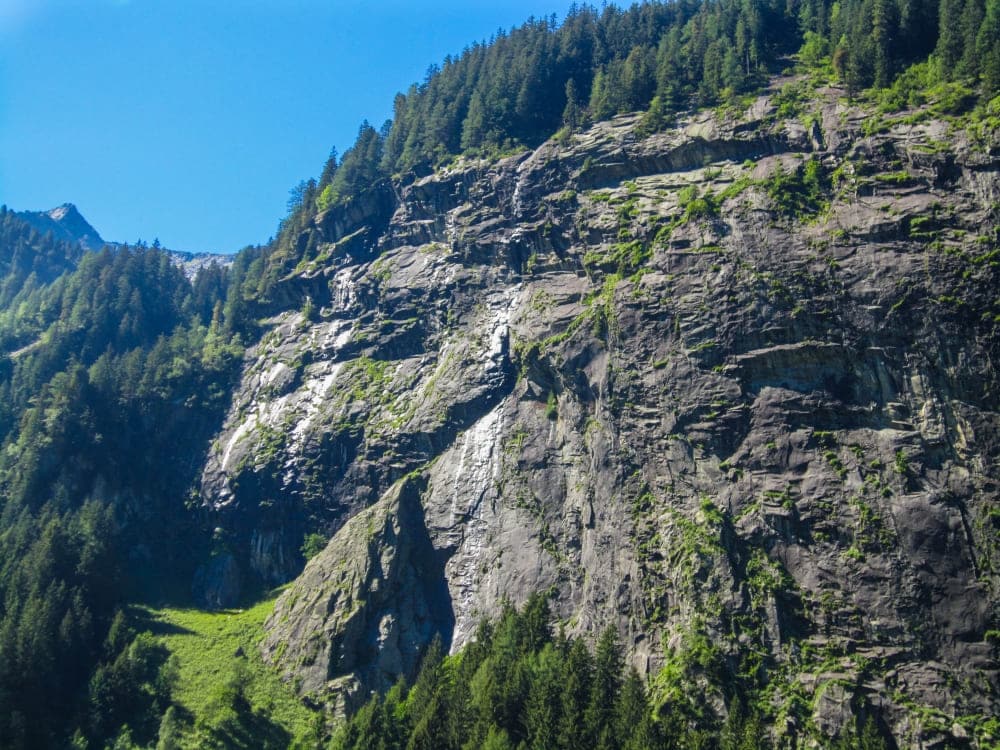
(731, 388)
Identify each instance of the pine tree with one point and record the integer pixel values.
(655, 119)
(542, 711)
(329, 168)
(497, 739)
(572, 116)
(638, 81)
(601, 104)
(421, 696)
(169, 735)
(631, 718)
(885, 25)
(871, 738)
(608, 662)
(474, 127)
(949, 46)
(971, 23)
(988, 48)
(575, 696)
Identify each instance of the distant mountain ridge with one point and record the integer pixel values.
(66, 223)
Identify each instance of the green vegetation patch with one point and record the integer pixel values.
(622, 258)
(227, 695)
(801, 192)
(518, 684)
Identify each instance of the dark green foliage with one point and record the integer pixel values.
(988, 47)
(741, 731)
(598, 718)
(115, 369)
(124, 367)
(329, 169)
(131, 689)
(873, 41)
(28, 261)
(575, 695)
(519, 686)
(357, 171)
(546, 78)
(25, 254)
(867, 738)
(799, 193)
(523, 85)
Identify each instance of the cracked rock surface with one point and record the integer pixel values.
(641, 373)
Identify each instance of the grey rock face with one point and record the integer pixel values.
(192, 263)
(364, 610)
(640, 374)
(217, 582)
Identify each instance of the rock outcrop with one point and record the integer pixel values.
(364, 610)
(733, 385)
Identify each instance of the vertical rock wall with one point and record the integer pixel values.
(753, 427)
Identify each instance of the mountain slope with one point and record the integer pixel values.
(64, 223)
(25, 252)
(733, 384)
(719, 385)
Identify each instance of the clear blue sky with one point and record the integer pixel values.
(190, 120)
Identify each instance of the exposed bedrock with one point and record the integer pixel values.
(648, 376)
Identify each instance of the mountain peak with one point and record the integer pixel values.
(65, 210)
(65, 222)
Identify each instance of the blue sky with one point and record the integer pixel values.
(190, 120)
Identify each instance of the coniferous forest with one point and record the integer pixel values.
(110, 366)
(117, 368)
(520, 685)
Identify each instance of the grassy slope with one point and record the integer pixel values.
(227, 696)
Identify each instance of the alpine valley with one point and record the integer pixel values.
(635, 387)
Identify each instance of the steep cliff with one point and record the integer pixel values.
(731, 387)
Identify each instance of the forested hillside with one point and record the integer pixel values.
(121, 380)
(548, 77)
(29, 259)
(522, 87)
(518, 685)
(114, 373)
